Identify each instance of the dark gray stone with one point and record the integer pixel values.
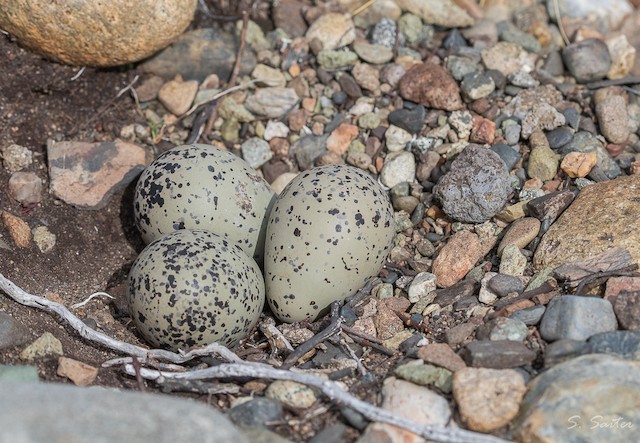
(572, 118)
(497, 354)
(308, 148)
(454, 40)
(587, 60)
(625, 344)
(476, 187)
(553, 63)
(563, 350)
(508, 155)
(256, 412)
(331, 434)
(452, 294)
(411, 119)
(549, 207)
(12, 332)
(559, 137)
(530, 316)
(46, 412)
(577, 318)
(503, 284)
(199, 53)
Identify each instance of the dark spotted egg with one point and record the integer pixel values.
(191, 288)
(203, 187)
(329, 231)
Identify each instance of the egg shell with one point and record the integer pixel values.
(191, 288)
(330, 230)
(203, 187)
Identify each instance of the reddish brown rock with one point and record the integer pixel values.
(483, 131)
(442, 355)
(456, 258)
(89, 33)
(79, 373)
(18, 229)
(432, 86)
(87, 174)
(615, 285)
(339, 140)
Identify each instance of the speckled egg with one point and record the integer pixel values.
(191, 288)
(329, 231)
(203, 187)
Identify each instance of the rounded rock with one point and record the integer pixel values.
(587, 60)
(96, 33)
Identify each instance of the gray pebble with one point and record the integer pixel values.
(384, 33)
(256, 412)
(563, 350)
(256, 152)
(477, 85)
(512, 134)
(572, 117)
(559, 136)
(476, 187)
(503, 328)
(508, 154)
(577, 317)
(503, 284)
(409, 119)
(587, 60)
(460, 66)
(308, 148)
(12, 332)
(522, 79)
(625, 344)
(530, 316)
(508, 32)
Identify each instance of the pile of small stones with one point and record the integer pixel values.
(508, 154)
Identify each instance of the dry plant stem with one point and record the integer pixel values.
(142, 354)
(329, 388)
(243, 42)
(334, 327)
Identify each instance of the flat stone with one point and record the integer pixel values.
(199, 53)
(587, 60)
(497, 354)
(272, 102)
(458, 256)
(410, 401)
(509, 155)
(445, 13)
(513, 261)
(30, 413)
(459, 333)
(529, 316)
(452, 294)
(12, 332)
(441, 354)
(425, 375)
(476, 187)
(257, 411)
(543, 163)
(366, 76)
(268, 76)
(336, 59)
(411, 120)
(488, 399)
(548, 208)
(44, 239)
(177, 95)
(592, 398)
(602, 217)
(541, 117)
(432, 86)
(502, 328)
(396, 138)
(341, 137)
(46, 345)
(559, 136)
(97, 34)
(422, 286)
(624, 344)
(86, 175)
(577, 318)
(292, 394)
(333, 30)
(370, 53)
(79, 373)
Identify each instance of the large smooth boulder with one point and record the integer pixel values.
(96, 33)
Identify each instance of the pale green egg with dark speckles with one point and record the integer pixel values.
(192, 288)
(330, 230)
(203, 187)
